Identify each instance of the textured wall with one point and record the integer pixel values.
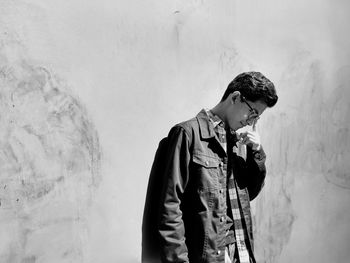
(88, 88)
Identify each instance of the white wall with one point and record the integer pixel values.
(104, 82)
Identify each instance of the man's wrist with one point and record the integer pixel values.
(256, 147)
(258, 154)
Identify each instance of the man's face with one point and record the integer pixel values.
(243, 112)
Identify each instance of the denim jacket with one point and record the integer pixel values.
(183, 210)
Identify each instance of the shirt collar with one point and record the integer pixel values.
(206, 126)
(215, 119)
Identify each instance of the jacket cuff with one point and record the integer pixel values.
(259, 155)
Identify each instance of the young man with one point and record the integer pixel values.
(203, 177)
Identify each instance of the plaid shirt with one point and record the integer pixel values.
(240, 230)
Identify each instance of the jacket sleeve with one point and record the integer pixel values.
(176, 175)
(256, 171)
(250, 170)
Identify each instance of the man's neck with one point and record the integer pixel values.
(219, 111)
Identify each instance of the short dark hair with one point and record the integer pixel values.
(253, 86)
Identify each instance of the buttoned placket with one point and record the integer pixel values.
(224, 187)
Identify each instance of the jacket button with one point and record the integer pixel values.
(206, 163)
(221, 191)
(222, 219)
(218, 252)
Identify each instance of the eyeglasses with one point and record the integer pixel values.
(253, 113)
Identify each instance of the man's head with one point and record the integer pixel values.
(246, 98)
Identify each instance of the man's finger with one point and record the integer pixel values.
(254, 126)
(242, 135)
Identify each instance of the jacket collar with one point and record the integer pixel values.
(205, 126)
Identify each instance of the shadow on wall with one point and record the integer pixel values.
(49, 165)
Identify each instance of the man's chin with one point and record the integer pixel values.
(239, 125)
(242, 125)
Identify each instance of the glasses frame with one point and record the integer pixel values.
(251, 119)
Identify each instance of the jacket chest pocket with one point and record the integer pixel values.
(207, 171)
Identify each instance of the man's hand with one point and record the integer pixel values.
(251, 138)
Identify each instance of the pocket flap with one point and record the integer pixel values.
(206, 161)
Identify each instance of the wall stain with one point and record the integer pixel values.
(336, 132)
(312, 131)
(49, 165)
(275, 212)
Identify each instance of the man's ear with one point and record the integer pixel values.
(234, 96)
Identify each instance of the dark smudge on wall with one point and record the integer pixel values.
(49, 165)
